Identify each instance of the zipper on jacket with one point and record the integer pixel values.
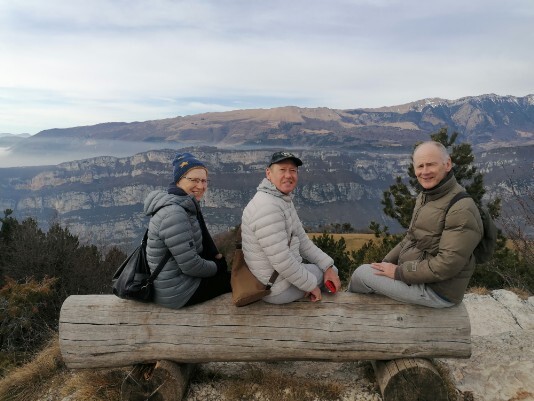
(412, 239)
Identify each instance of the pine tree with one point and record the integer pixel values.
(7, 225)
(338, 251)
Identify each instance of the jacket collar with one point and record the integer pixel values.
(442, 188)
(269, 188)
(156, 199)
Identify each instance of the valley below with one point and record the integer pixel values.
(101, 199)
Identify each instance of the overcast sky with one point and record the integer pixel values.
(77, 62)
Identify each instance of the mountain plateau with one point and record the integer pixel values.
(101, 199)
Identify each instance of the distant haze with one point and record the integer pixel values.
(486, 122)
(50, 156)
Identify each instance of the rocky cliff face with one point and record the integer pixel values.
(502, 334)
(101, 199)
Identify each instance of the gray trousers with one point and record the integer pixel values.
(365, 281)
(293, 293)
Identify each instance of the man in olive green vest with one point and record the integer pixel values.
(433, 263)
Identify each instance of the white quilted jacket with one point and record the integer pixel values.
(269, 222)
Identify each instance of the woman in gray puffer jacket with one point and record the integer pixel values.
(196, 272)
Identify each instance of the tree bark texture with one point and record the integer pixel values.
(104, 331)
(410, 379)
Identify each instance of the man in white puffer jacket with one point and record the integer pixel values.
(273, 238)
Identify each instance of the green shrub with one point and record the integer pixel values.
(338, 251)
(507, 269)
(376, 249)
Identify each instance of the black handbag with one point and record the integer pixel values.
(133, 280)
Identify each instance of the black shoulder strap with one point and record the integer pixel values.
(456, 198)
(160, 266)
(272, 279)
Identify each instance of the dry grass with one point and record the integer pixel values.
(522, 395)
(29, 381)
(94, 385)
(46, 375)
(354, 241)
(479, 290)
(522, 294)
(276, 386)
(251, 381)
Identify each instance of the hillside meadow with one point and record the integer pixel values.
(354, 241)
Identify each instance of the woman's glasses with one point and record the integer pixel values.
(198, 180)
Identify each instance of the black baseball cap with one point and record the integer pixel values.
(279, 156)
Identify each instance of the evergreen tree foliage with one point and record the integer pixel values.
(399, 202)
(20, 246)
(337, 250)
(7, 226)
(39, 270)
(507, 269)
(337, 228)
(376, 249)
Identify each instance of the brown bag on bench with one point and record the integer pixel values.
(246, 288)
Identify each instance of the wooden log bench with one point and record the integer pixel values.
(103, 331)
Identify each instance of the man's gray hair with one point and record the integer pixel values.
(437, 145)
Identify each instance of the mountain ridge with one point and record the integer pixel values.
(487, 122)
(436, 101)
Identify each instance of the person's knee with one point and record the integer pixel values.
(363, 271)
(358, 281)
(318, 273)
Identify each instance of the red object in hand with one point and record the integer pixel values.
(330, 286)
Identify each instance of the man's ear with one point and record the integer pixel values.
(448, 165)
(268, 173)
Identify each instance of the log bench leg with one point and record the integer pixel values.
(410, 379)
(160, 381)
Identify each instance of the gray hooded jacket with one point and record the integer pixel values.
(175, 227)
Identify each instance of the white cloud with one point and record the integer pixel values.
(67, 63)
